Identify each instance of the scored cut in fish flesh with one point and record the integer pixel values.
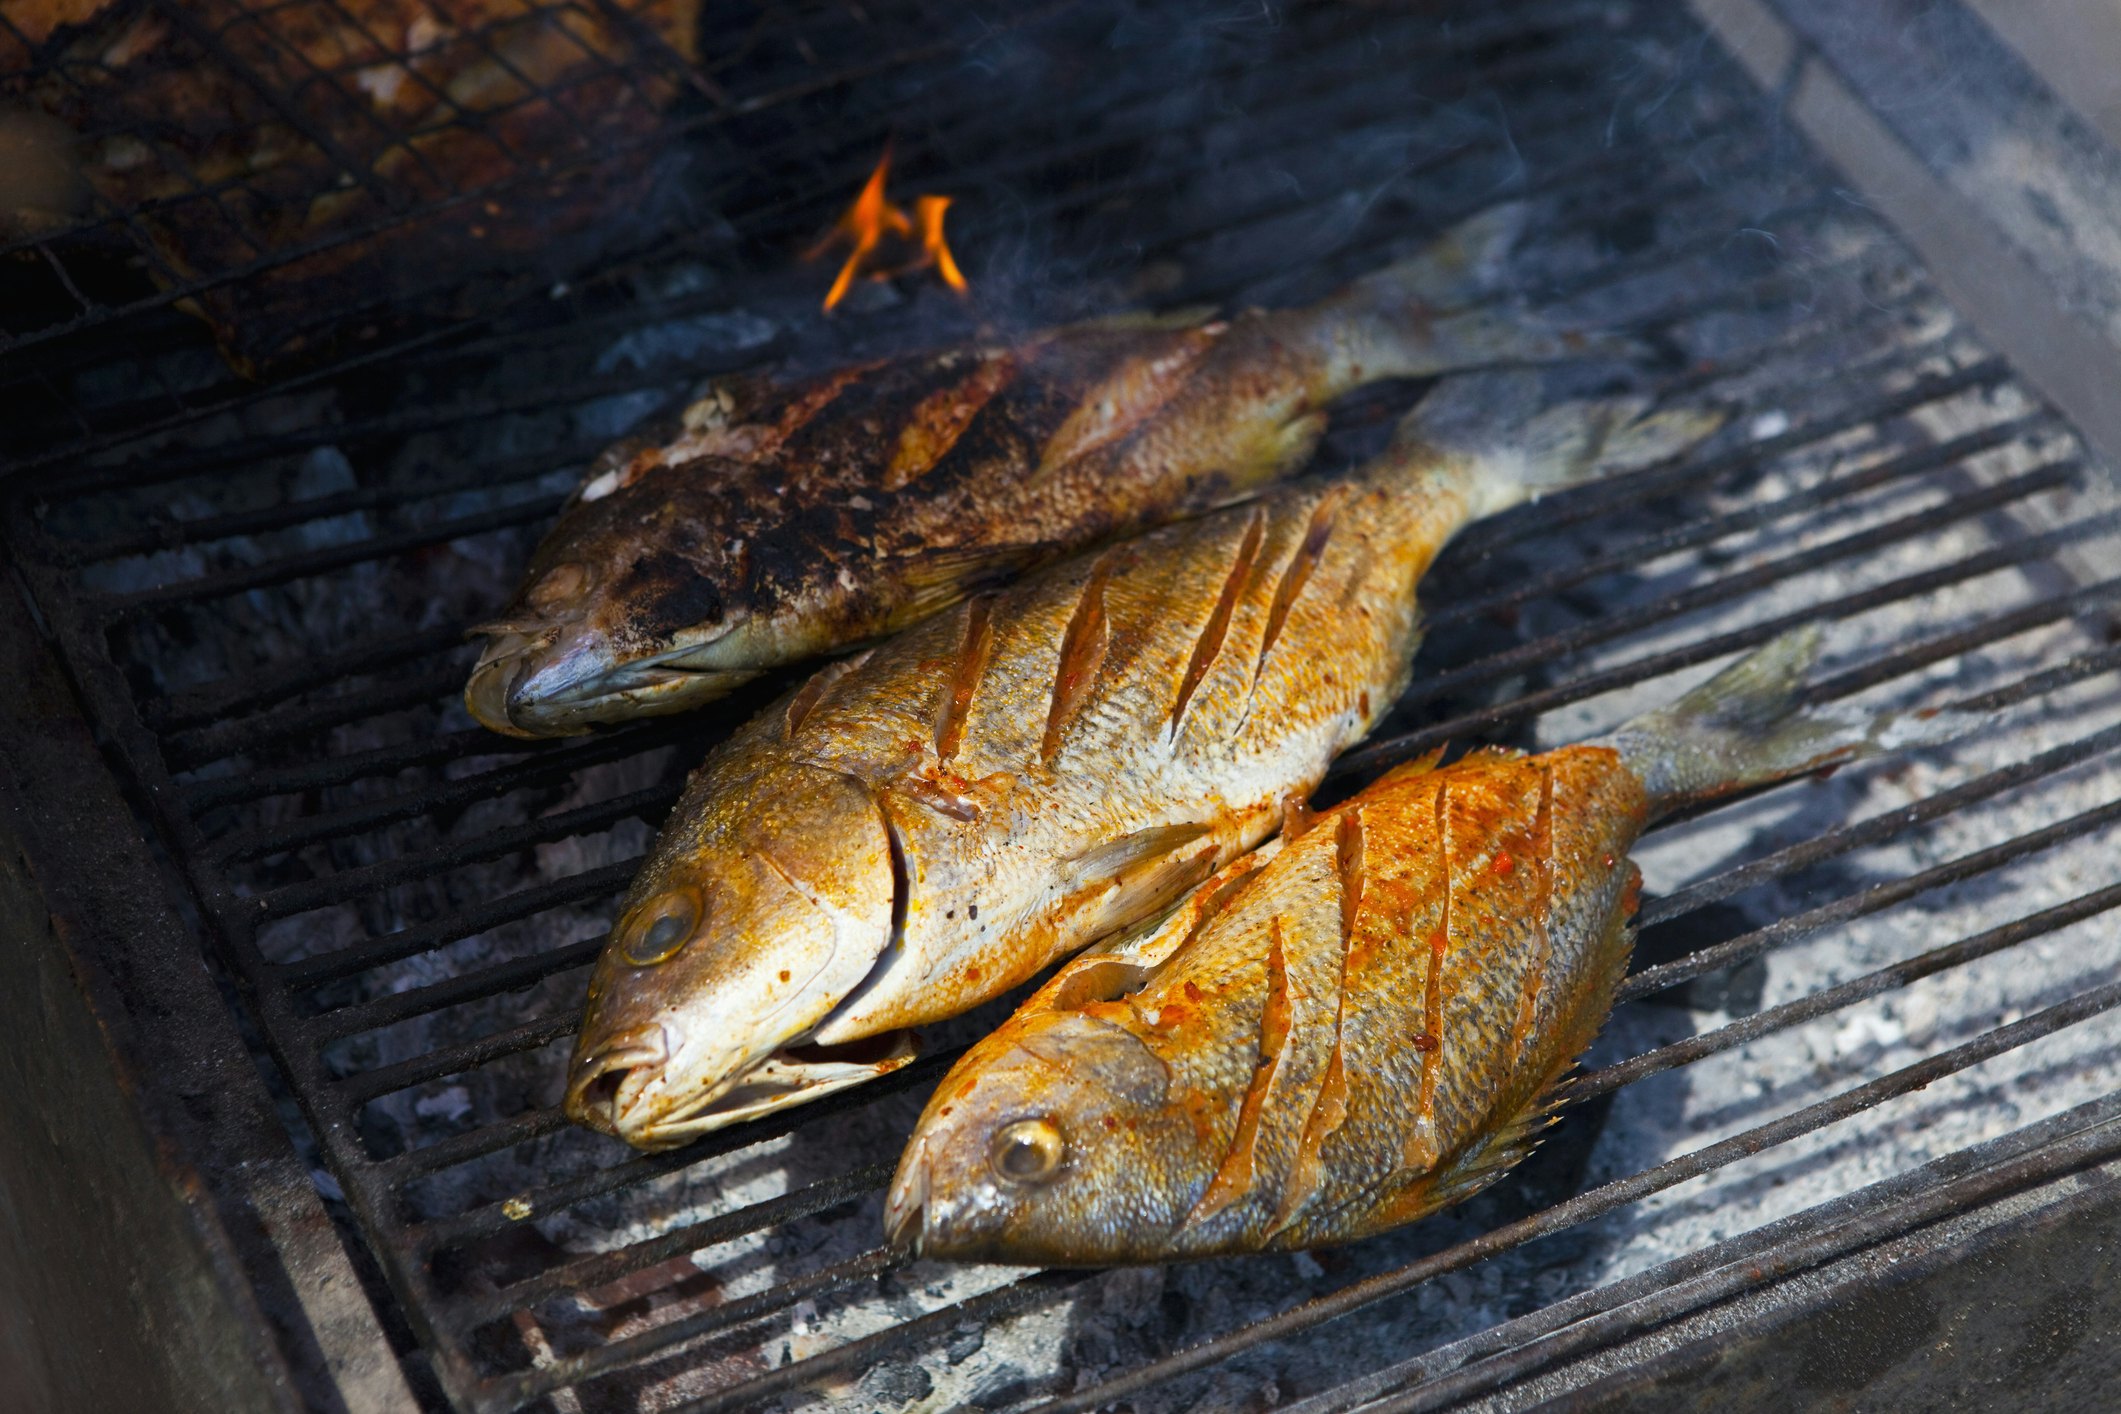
(1356, 1029)
(779, 522)
(921, 828)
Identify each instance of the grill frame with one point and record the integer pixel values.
(80, 625)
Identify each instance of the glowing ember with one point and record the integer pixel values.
(874, 229)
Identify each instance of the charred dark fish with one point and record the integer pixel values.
(778, 522)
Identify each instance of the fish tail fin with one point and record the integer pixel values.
(1748, 726)
(1500, 424)
(1447, 307)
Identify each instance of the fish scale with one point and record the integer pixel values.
(1119, 728)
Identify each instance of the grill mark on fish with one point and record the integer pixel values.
(1348, 859)
(1535, 974)
(1309, 551)
(800, 705)
(972, 650)
(1421, 1141)
(1217, 627)
(1082, 653)
(1127, 397)
(1330, 1110)
(807, 698)
(940, 419)
(804, 406)
(1233, 1178)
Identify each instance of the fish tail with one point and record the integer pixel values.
(1498, 427)
(1748, 726)
(1448, 307)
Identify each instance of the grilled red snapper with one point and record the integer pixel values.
(1353, 1032)
(919, 829)
(779, 522)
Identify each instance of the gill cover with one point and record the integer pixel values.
(779, 903)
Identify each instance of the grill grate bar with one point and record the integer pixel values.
(1938, 647)
(517, 974)
(1399, 748)
(1827, 491)
(1939, 1189)
(350, 884)
(438, 1233)
(1023, 1294)
(324, 560)
(1821, 1003)
(513, 1391)
(430, 484)
(1601, 1200)
(541, 770)
(220, 700)
(589, 1272)
(1603, 497)
(362, 1086)
(574, 889)
(201, 746)
(466, 744)
(1877, 828)
(1785, 931)
(1620, 622)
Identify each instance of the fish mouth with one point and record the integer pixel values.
(620, 1087)
(532, 682)
(906, 1206)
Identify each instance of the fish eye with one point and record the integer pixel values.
(559, 584)
(658, 930)
(1028, 1151)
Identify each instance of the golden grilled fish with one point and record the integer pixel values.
(776, 523)
(921, 828)
(1351, 1031)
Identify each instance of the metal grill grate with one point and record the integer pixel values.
(260, 592)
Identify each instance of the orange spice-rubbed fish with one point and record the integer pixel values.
(1364, 1026)
(779, 522)
(919, 830)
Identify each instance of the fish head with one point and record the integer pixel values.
(635, 604)
(1054, 1141)
(746, 929)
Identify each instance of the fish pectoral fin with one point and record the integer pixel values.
(1115, 859)
(1130, 878)
(1474, 1167)
(936, 578)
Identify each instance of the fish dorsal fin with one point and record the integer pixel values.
(1129, 321)
(1419, 766)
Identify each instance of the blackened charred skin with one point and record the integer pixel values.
(803, 514)
(671, 595)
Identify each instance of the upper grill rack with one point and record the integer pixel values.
(500, 98)
(263, 615)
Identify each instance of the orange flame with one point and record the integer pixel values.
(873, 217)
